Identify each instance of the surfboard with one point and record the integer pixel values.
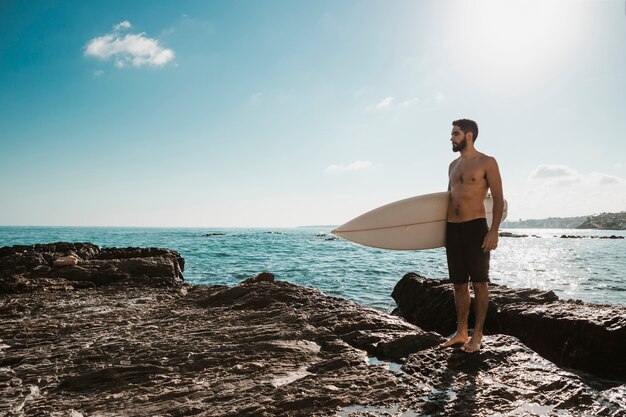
(410, 224)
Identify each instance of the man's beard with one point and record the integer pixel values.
(460, 146)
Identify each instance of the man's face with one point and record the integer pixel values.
(458, 139)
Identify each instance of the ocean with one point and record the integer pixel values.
(587, 269)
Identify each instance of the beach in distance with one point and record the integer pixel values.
(588, 269)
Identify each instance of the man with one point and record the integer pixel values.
(468, 238)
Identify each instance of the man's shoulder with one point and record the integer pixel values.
(454, 161)
(487, 159)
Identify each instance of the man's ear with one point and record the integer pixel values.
(469, 135)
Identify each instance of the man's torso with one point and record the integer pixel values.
(468, 189)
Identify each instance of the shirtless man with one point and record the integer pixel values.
(468, 239)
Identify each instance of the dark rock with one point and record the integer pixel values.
(262, 277)
(114, 377)
(268, 348)
(25, 268)
(214, 234)
(509, 234)
(506, 378)
(572, 334)
(262, 349)
(591, 237)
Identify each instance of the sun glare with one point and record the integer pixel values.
(514, 43)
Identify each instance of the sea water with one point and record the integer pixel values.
(588, 269)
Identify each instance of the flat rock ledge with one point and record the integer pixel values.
(573, 334)
(153, 346)
(68, 266)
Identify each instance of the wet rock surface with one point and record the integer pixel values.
(572, 334)
(155, 346)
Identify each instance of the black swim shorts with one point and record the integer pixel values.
(466, 259)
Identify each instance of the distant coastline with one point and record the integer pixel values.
(604, 221)
(319, 226)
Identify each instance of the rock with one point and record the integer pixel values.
(214, 234)
(67, 266)
(262, 277)
(572, 334)
(69, 260)
(591, 237)
(505, 378)
(509, 234)
(261, 349)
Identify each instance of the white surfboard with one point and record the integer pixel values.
(409, 224)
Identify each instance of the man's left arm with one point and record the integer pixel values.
(494, 181)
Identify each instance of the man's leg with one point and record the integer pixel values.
(462, 304)
(481, 300)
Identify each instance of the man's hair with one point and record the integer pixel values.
(467, 125)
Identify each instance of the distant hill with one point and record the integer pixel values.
(604, 221)
(549, 223)
(319, 226)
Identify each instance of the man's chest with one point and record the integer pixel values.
(467, 174)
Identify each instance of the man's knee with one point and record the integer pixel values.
(480, 287)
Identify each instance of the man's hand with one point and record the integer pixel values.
(491, 241)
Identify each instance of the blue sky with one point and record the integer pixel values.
(286, 113)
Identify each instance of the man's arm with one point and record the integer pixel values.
(492, 173)
(449, 171)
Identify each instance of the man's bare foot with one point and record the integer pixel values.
(454, 340)
(472, 345)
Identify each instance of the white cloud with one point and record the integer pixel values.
(354, 166)
(561, 175)
(618, 165)
(558, 190)
(385, 103)
(122, 25)
(98, 73)
(128, 49)
(605, 179)
(409, 102)
(552, 171)
(392, 103)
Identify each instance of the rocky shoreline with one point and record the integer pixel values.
(572, 334)
(118, 332)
